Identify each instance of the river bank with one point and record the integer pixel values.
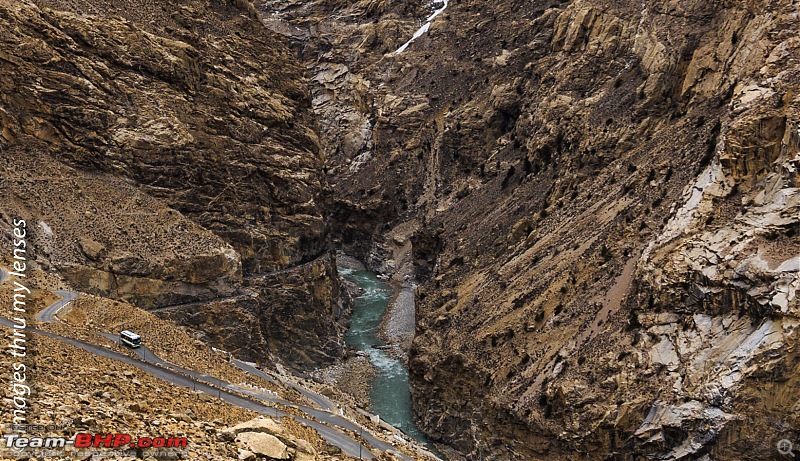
(389, 396)
(354, 375)
(398, 326)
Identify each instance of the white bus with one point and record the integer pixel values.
(130, 339)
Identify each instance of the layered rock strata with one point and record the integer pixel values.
(180, 158)
(605, 202)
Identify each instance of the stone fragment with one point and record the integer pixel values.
(262, 444)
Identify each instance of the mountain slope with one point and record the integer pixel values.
(604, 204)
(204, 113)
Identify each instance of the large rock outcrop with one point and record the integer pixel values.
(187, 109)
(181, 155)
(296, 315)
(605, 201)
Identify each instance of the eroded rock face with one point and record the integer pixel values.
(605, 200)
(182, 153)
(727, 264)
(193, 114)
(296, 316)
(91, 228)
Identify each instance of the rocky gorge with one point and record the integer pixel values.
(592, 204)
(600, 203)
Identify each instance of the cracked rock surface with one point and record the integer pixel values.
(604, 203)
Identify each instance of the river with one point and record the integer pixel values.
(389, 396)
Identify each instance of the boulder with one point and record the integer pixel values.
(262, 425)
(264, 445)
(91, 248)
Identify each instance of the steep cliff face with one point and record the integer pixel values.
(191, 112)
(605, 198)
(107, 237)
(296, 316)
(595, 315)
(187, 131)
(600, 197)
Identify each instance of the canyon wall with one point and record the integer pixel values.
(605, 202)
(600, 198)
(177, 157)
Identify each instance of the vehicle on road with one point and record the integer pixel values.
(130, 339)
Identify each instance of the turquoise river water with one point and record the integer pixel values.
(389, 397)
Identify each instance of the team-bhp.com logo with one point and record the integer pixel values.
(95, 441)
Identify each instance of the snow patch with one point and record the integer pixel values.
(358, 162)
(424, 27)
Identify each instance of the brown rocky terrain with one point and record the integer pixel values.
(84, 392)
(605, 203)
(599, 199)
(168, 156)
(102, 396)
